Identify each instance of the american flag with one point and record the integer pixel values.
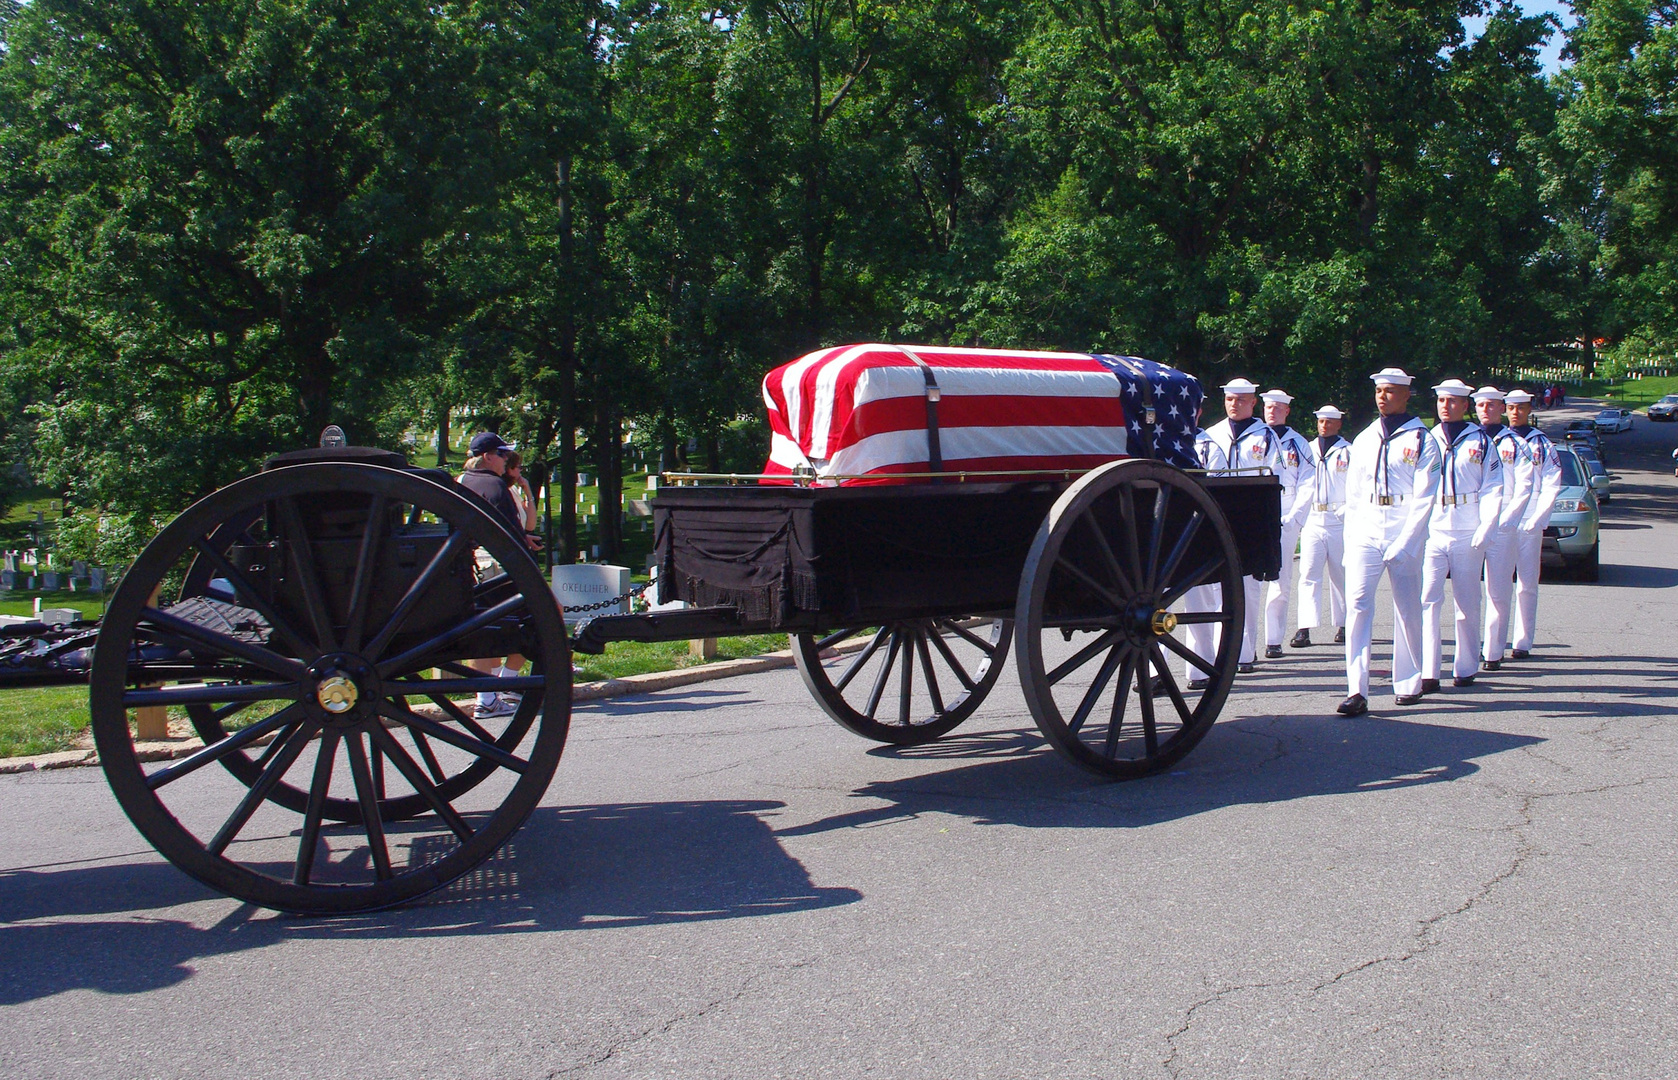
(1177, 397)
(861, 410)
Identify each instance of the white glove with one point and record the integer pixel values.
(1481, 539)
(1392, 553)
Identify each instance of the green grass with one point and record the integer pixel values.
(42, 721)
(623, 658)
(1632, 394)
(18, 602)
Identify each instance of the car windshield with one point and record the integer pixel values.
(1670, 399)
(1570, 474)
(1608, 414)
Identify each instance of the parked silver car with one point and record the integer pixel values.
(1665, 409)
(1570, 540)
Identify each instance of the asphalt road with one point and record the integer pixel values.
(722, 883)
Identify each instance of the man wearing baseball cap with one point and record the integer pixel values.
(1464, 515)
(1246, 443)
(1298, 470)
(1322, 543)
(1529, 538)
(1516, 458)
(1389, 493)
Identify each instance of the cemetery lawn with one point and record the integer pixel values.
(18, 602)
(635, 658)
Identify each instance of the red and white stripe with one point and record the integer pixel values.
(861, 410)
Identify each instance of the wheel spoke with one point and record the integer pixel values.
(282, 760)
(422, 584)
(1121, 698)
(1180, 548)
(1100, 589)
(1118, 653)
(461, 717)
(1145, 698)
(423, 745)
(1120, 578)
(483, 748)
(222, 747)
(903, 705)
(1156, 538)
(371, 822)
(410, 771)
(885, 672)
(1082, 656)
(1199, 662)
(856, 665)
(315, 808)
(366, 562)
(1127, 517)
(303, 556)
(833, 639)
(969, 636)
(1198, 577)
(1202, 618)
(950, 658)
(1172, 691)
(195, 695)
(245, 595)
(268, 660)
(929, 676)
(411, 659)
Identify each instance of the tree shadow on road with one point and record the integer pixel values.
(569, 868)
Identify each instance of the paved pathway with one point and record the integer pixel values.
(722, 883)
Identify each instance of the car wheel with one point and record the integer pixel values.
(1590, 565)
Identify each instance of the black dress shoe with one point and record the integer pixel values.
(1199, 684)
(1353, 706)
(1340, 635)
(1463, 680)
(1519, 654)
(1408, 699)
(1301, 640)
(1246, 669)
(1272, 652)
(1492, 665)
(1429, 686)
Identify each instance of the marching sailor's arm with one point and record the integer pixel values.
(1516, 504)
(1305, 490)
(1424, 486)
(1491, 495)
(1546, 485)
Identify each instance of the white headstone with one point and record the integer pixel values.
(11, 561)
(8, 578)
(655, 595)
(59, 616)
(96, 577)
(49, 580)
(579, 585)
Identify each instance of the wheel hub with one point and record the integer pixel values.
(1162, 623)
(341, 690)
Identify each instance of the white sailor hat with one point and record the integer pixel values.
(1517, 397)
(1488, 393)
(1240, 386)
(1391, 376)
(1329, 412)
(1278, 397)
(1454, 388)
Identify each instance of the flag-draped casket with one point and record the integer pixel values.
(874, 413)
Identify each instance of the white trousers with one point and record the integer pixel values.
(1528, 547)
(1457, 558)
(1254, 589)
(1202, 639)
(1322, 553)
(1276, 593)
(1363, 574)
(1500, 590)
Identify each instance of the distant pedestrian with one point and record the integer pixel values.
(486, 477)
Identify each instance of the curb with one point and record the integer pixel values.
(589, 691)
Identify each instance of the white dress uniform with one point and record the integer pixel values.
(1389, 494)
(1202, 638)
(1253, 447)
(1529, 538)
(1516, 456)
(1322, 543)
(1465, 512)
(1299, 468)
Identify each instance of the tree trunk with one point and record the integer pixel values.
(442, 408)
(608, 441)
(566, 544)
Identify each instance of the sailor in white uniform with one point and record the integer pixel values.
(1389, 494)
(1516, 456)
(1246, 444)
(1202, 638)
(1298, 469)
(1322, 543)
(1529, 538)
(1465, 513)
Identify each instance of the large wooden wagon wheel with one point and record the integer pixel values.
(1112, 588)
(341, 590)
(913, 681)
